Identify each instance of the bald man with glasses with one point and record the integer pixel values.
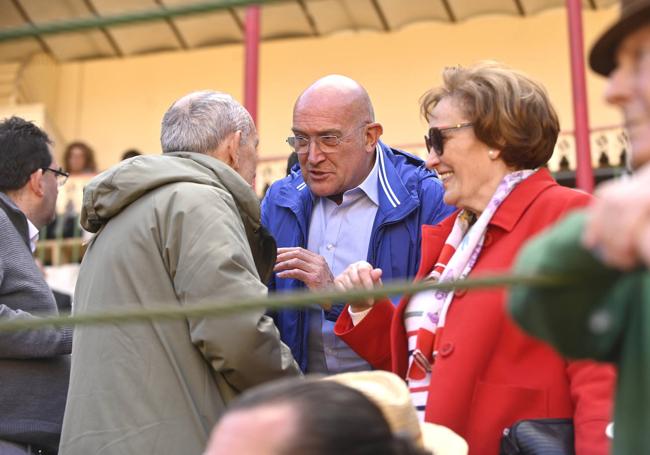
(350, 198)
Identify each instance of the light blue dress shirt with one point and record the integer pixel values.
(341, 234)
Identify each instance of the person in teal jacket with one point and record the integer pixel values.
(602, 312)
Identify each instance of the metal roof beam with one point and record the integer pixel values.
(105, 32)
(172, 25)
(75, 25)
(309, 17)
(450, 12)
(238, 21)
(520, 8)
(382, 16)
(26, 18)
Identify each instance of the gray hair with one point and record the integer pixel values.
(198, 122)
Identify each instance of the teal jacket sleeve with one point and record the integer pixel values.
(586, 316)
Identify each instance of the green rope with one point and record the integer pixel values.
(76, 25)
(273, 301)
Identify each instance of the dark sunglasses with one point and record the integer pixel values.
(435, 138)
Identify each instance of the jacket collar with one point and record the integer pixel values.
(108, 193)
(301, 205)
(395, 201)
(514, 206)
(432, 240)
(16, 217)
(506, 217)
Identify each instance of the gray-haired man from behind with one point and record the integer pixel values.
(34, 364)
(174, 230)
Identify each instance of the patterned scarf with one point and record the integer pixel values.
(456, 260)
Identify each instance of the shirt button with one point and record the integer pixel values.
(330, 247)
(446, 349)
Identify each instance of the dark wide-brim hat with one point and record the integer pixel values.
(634, 15)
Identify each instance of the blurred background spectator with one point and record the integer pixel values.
(79, 162)
(78, 159)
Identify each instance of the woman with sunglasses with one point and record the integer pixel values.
(468, 367)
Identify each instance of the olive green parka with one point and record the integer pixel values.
(173, 230)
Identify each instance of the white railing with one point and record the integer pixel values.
(609, 146)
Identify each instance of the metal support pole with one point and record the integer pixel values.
(584, 171)
(252, 43)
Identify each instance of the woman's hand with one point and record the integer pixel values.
(359, 275)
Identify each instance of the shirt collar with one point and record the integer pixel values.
(369, 185)
(33, 235)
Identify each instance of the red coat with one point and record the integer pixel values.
(488, 373)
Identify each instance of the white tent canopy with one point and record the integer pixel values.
(280, 19)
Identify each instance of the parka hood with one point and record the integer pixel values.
(111, 191)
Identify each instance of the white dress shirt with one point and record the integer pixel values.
(341, 234)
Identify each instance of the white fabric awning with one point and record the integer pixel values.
(281, 19)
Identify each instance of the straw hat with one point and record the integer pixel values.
(634, 15)
(389, 392)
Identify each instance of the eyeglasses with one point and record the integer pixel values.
(327, 143)
(61, 176)
(435, 139)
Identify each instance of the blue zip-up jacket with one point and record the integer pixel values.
(409, 196)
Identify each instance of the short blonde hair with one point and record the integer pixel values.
(510, 111)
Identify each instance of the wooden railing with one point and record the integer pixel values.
(60, 251)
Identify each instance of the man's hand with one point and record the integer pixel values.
(304, 265)
(360, 275)
(618, 222)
